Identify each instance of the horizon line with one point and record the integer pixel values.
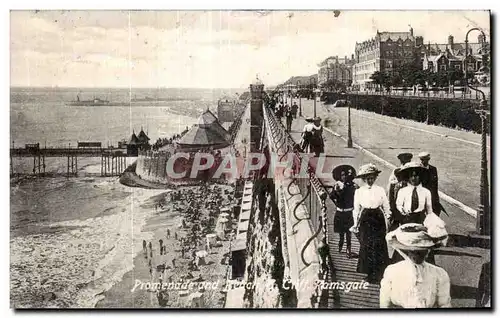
(123, 87)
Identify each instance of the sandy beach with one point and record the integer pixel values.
(197, 208)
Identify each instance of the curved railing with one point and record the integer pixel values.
(310, 188)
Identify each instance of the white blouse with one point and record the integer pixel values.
(408, 285)
(367, 197)
(404, 200)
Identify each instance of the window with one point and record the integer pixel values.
(442, 67)
(429, 65)
(457, 66)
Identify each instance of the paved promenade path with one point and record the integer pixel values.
(461, 260)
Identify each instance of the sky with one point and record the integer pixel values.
(203, 49)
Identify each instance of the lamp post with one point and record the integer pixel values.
(483, 217)
(349, 135)
(316, 91)
(300, 99)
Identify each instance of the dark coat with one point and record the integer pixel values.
(430, 182)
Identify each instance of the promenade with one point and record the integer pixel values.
(460, 259)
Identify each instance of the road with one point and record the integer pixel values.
(460, 258)
(456, 154)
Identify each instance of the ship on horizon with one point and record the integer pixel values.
(90, 102)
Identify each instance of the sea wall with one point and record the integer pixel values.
(284, 263)
(264, 270)
(152, 166)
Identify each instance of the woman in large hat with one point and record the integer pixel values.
(317, 144)
(414, 283)
(343, 197)
(371, 220)
(305, 142)
(413, 202)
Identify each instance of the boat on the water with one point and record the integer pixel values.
(92, 102)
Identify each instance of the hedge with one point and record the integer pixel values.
(452, 113)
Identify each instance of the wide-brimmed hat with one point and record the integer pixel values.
(347, 169)
(405, 156)
(367, 170)
(424, 155)
(409, 167)
(309, 119)
(315, 119)
(413, 237)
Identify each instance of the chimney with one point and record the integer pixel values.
(352, 57)
(345, 59)
(450, 40)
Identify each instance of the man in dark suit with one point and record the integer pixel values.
(430, 181)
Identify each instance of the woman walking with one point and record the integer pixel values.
(414, 283)
(371, 220)
(343, 197)
(317, 144)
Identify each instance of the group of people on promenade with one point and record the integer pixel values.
(161, 142)
(312, 133)
(289, 112)
(405, 219)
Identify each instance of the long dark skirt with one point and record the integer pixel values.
(373, 257)
(342, 222)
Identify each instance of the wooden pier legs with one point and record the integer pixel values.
(72, 168)
(112, 165)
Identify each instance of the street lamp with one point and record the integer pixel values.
(349, 135)
(300, 99)
(483, 217)
(316, 91)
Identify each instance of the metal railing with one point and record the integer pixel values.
(310, 188)
(461, 94)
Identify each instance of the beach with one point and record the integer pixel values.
(198, 207)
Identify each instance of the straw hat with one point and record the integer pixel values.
(413, 237)
(317, 119)
(309, 119)
(368, 169)
(347, 169)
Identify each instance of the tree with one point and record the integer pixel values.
(381, 79)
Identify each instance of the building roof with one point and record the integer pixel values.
(207, 132)
(133, 139)
(142, 136)
(433, 58)
(455, 49)
(394, 36)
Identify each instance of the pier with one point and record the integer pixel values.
(113, 160)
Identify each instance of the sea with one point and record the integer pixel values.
(72, 239)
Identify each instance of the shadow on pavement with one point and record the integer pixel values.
(458, 240)
(393, 148)
(462, 292)
(455, 253)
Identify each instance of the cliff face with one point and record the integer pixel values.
(265, 265)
